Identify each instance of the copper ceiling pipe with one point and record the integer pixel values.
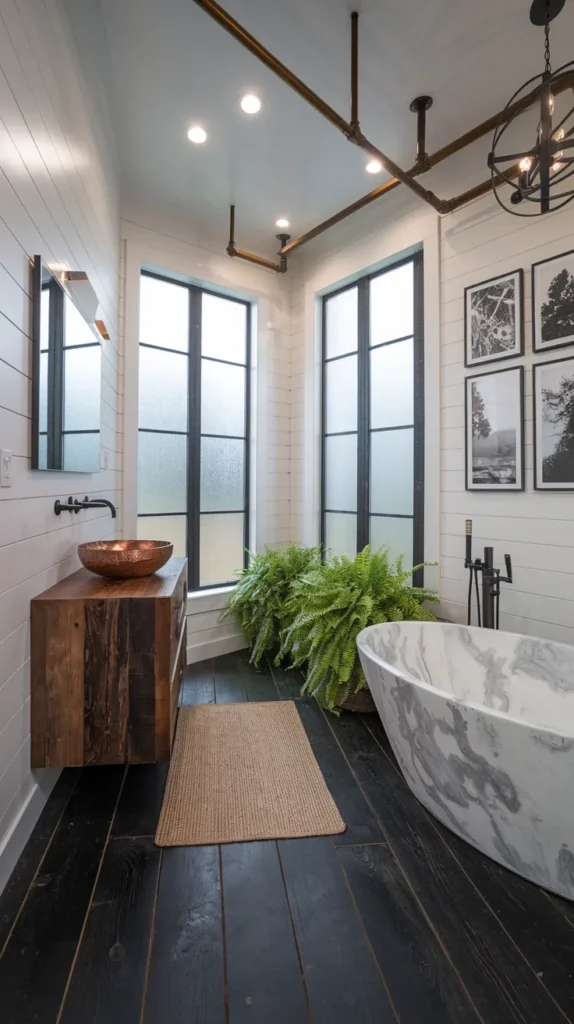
(251, 257)
(353, 134)
(453, 147)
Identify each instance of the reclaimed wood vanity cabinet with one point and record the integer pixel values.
(107, 657)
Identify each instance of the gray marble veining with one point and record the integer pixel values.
(482, 726)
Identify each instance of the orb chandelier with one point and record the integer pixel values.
(537, 176)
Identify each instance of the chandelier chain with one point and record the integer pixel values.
(548, 67)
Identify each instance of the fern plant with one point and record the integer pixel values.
(259, 600)
(330, 604)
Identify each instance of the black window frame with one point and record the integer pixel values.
(194, 433)
(364, 429)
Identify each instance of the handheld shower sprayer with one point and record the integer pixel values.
(489, 613)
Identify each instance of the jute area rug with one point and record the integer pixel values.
(241, 772)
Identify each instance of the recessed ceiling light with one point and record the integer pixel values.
(374, 166)
(250, 104)
(282, 223)
(197, 134)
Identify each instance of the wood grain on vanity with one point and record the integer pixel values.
(107, 661)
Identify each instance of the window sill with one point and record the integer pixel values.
(197, 595)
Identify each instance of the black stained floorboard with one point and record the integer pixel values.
(140, 801)
(288, 682)
(499, 982)
(229, 681)
(107, 983)
(264, 980)
(198, 685)
(21, 878)
(362, 826)
(186, 968)
(259, 684)
(396, 919)
(417, 972)
(37, 960)
(343, 981)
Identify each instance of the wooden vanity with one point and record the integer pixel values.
(107, 660)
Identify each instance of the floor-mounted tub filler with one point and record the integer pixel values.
(482, 725)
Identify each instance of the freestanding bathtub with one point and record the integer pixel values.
(482, 726)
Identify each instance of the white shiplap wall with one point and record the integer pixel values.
(535, 528)
(477, 242)
(58, 198)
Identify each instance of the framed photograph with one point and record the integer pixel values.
(494, 431)
(553, 388)
(553, 302)
(494, 319)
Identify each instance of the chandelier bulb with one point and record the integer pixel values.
(525, 164)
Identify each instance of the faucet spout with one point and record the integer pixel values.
(97, 503)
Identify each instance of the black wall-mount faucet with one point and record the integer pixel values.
(491, 580)
(75, 505)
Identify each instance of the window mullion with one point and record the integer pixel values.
(419, 419)
(194, 436)
(363, 416)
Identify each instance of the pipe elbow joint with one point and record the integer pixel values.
(231, 249)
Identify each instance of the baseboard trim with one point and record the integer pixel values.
(213, 648)
(14, 842)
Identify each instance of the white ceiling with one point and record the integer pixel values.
(171, 66)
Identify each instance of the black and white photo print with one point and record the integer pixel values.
(554, 425)
(494, 319)
(553, 302)
(494, 415)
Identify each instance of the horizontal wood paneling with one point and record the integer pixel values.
(59, 197)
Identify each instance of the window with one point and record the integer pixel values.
(193, 452)
(373, 422)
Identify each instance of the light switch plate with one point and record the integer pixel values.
(5, 468)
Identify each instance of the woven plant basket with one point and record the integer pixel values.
(360, 702)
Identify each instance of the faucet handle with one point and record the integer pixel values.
(508, 564)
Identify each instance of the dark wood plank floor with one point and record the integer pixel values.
(395, 920)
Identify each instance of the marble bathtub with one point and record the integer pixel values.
(482, 726)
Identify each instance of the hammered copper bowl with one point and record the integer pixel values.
(125, 559)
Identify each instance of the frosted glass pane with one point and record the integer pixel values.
(222, 399)
(397, 534)
(45, 319)
(163, 390)
(76, 330)
(82, 453)
(341, 395)
(392, 305)
(392, 385)
(223, 328)
(221, 474)
(162, 473)
(221, 548)
(43, 451)
(341, 534)
(392, 472)
(169, 528)
(43, 392)
(82, 369)
(341, 472)
(164, 314)
(341, 326)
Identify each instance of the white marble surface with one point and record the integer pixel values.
(482, 726)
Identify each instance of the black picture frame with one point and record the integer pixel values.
(539, 345)
(537, 371)
(470, 484)
(518, 350)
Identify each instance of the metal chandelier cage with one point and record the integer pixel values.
(537, 175)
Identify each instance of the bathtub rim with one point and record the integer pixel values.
(449, 696)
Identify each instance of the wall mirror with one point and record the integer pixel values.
(66, 380)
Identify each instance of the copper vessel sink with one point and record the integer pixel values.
(125, 559)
